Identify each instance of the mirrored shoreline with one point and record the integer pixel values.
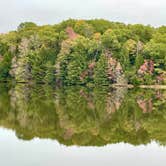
(84, 117)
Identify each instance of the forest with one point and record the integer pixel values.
(84, 52)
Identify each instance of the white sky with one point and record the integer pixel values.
(44, 152)
(13, 12)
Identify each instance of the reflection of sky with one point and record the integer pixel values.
(12, 12)
(48, 153)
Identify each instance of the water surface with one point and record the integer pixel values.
(41, 125)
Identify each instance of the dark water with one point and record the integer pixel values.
(74, 126)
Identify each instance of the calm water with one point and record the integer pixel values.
(44, 126)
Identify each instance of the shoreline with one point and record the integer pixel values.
(153, 86)
(129, 86)
(139, 86)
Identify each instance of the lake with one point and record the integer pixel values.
(45, 126)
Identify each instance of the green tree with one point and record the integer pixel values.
(101, 70)
(110, 41)
(84, 28)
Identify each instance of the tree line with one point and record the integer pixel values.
(84, 52)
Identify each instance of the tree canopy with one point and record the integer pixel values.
(84, 52)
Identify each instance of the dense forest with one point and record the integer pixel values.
(84, 52)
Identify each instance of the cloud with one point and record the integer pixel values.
(12, 12)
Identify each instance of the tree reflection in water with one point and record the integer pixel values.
(84, 116)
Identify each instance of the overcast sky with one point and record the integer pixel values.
(13, 12)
